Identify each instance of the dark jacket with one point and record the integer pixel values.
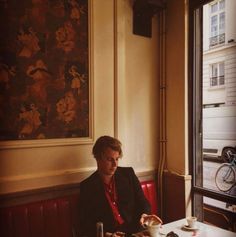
(94, 207)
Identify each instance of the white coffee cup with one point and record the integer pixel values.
(191, 220)
(154, 230)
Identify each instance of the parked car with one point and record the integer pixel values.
(219, 132)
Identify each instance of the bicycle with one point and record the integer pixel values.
(225, 177)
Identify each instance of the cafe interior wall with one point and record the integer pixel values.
(124, 96)
(125, 103)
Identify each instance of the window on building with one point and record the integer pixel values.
(217, 23)
(217, 74)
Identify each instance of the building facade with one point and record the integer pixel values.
(219, 78)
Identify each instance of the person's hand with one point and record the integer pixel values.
(147, 220)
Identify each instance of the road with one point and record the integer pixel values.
(209, 171)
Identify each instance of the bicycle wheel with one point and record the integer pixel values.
(225, 177)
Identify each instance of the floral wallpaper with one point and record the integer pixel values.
(44, 74)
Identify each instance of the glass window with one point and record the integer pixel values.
(217, 23)
(221, 74)
(221, 69)
(214, 20)
(214, 81)
(214, 70)
(217, 74)
(213, 118)
(214, 7)
(222, 4)
(222, 23)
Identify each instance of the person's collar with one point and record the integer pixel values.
(106, 179)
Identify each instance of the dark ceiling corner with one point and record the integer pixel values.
(143, 11)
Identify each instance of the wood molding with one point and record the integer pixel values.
(54, 191)
(177, 175)
(20, 183)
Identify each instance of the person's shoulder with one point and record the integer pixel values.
(87, 188)
(89, 180)
(125, 170)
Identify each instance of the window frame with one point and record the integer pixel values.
(195, 52)
(219, 76)
(217, 36)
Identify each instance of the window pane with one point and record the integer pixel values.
(214, 115)
(221, 80)
(218, 107)
(218, 213)
(222, 4)
(214, 20)
(214, 70)
(213, 81)
(222, 23)
(214, 8)
(221, 69)
(221, 74)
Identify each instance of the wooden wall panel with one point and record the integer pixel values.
(174, 197)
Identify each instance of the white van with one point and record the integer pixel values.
(219, 132)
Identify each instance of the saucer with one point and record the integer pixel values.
(186, 227)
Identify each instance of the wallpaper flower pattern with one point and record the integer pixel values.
(44, 75)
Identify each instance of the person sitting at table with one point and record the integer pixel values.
(112, 194)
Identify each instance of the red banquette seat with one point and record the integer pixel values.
(149, 189)
(54, 217)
